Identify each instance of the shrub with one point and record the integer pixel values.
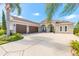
(3, 39)
(2, 32)
(76, 31)
(75, 46)
(76, 28)
(77, 34)
(15, 37)
(3, 42)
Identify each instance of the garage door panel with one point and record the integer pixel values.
(33, 29)
(21, 28)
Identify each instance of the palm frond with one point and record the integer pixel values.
(18, 8)
(12, 7)
(51, 9)
(69, 8)
(15, 6)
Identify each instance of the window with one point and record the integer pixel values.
(65, 28)
(60, 28)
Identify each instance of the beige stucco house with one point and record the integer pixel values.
(59, 26)
(21, 25)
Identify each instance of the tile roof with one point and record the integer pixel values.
(59, 21)
(22, 19)
(56, 21)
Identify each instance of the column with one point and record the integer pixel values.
(39, 29)
(27, 29)
(14, 28)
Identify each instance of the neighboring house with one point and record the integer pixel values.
(21, 25)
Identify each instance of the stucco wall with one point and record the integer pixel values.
(23, 22)
(14, 21)
(56, 25)
(69, 28)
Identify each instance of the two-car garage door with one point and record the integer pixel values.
(33, 29)
(23, 29)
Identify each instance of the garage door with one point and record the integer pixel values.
(33, 29)
(20, 28)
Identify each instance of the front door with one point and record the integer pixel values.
(43, 27)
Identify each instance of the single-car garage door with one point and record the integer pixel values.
(20, 28)
(33, 29)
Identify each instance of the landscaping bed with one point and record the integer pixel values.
(74, 44)
(3, 42)
(6, 39)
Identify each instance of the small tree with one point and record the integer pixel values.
(76, 29)
(3, 21)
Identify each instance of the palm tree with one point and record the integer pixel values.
(10, 7)
(50, 11)
(69, 8)
(52, 8)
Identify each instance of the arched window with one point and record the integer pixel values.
(60, 28)
(65, 28)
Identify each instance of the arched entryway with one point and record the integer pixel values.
(51, 28)
(43, 28)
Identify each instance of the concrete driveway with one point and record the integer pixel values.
(39, 44)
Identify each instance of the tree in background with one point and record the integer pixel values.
(3, 21)
(76, 28)
(51, 9)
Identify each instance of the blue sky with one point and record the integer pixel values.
(36, 12)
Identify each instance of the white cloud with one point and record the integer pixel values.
(36, 14)
(71, 16)
(18, 16)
